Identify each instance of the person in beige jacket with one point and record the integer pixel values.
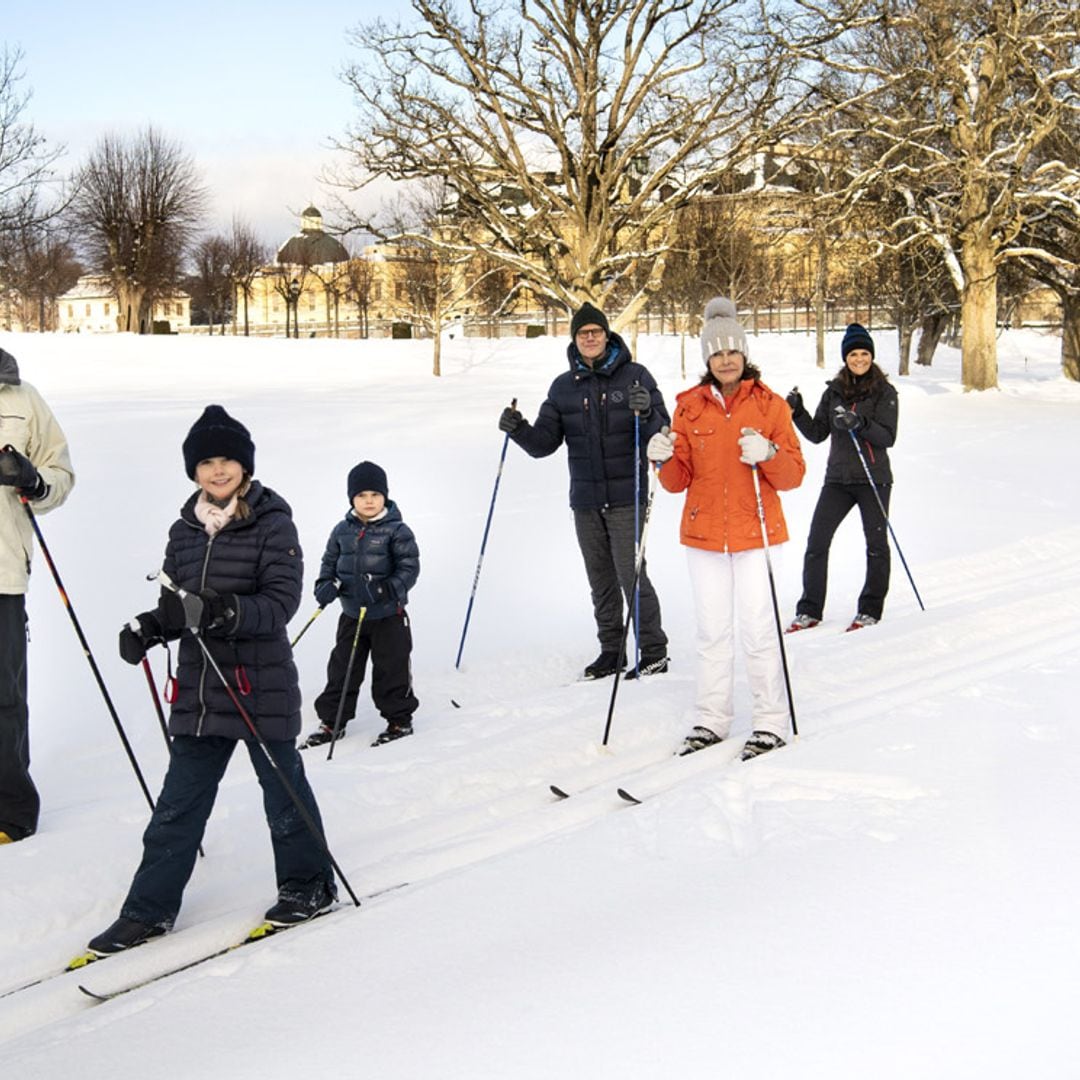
(34, 464)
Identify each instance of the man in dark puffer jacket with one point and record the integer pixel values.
(235, 553)
(592, 407)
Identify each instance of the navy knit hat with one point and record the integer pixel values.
(217, 434)
(367, 476)
(856, 337)
(587, 315)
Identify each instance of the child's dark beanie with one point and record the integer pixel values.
(217, 434)
(367, 476)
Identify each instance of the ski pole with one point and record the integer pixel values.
(345, 684)
(884, 512)
(301, 809)
(86, 650)
(304, 628)
(775, 604)
(309, 821)
(637, 539)
(483, 545)
(160, 715)
(639, 561)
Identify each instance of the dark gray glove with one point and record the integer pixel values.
(18, 472)
(639, 400)
(847, 420)
(794, 400)
(510, 420)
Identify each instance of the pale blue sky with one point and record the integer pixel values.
(250, 88)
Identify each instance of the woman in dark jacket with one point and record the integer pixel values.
(235, 554)
(859, 399)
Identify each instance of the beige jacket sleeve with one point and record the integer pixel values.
(27, 424)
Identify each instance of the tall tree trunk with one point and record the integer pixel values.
(1070, 336)
(904, 332)
(933, 326)
(129, 307)
(978, 312)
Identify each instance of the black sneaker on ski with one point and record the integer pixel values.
(698, 739)
(607, 663)
(123, 934)
(760, 742)
(321, 737)
(649, 665)
(299, 901)
(392, 732)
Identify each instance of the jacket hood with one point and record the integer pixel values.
(9, 369)
(617, 355)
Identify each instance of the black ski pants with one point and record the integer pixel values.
(171, 840)
(833, 505)
(388, 642)
(609, 548)
(19, 801)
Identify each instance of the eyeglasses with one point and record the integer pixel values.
(591, 332)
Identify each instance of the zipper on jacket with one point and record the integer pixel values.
(205, 665)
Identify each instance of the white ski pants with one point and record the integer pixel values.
(732, 596)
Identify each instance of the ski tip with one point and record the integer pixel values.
(627, 797)
(559, 793)
(90, 993)
(454, 703)
(82, 960)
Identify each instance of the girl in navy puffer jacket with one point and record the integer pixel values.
(371, 562)
(235, 554)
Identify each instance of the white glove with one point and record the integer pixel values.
(755, 447)
(661, 446)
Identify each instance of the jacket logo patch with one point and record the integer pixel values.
(617, 396)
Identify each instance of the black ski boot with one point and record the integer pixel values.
(760, 742)
(699, 738)
(123, 934)
(392, 732)
(299, 901)
(607, 663)
(656, 664)
(321, 737)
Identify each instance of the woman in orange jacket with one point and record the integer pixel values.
(724, 428)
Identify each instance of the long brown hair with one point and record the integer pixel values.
(852, 385)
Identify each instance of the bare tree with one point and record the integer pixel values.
(211, 283)
(557, 127)
(358, 288)
(247, 256)
(954, 99)
(25, 161)
(138, 205)
(37, 264)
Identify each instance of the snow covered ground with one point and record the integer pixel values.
(892, 896)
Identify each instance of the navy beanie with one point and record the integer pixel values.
(587, 315)
(856, 337)
(367, 476)
(217, 434)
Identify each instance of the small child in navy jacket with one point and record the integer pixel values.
(371, 562)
